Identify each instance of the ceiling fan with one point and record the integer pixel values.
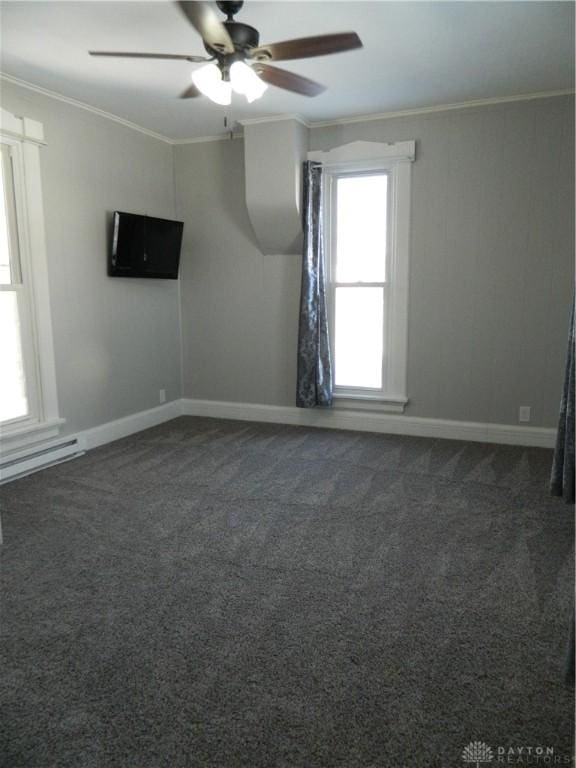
(237, 62)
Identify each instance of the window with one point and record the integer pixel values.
(367, 206)
(28, 405)
(357, 279)
(18, 401)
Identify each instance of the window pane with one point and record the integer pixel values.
(13, 400)
(9, 263)
(358, 337)
(361, 222)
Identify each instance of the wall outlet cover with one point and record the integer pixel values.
(524, 413)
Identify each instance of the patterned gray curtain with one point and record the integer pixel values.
(562, 479)
(314, 386)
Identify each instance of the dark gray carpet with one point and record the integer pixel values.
(219, 594)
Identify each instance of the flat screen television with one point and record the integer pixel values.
(143, 246)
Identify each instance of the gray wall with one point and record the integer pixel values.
(239, 308)
(491, 266)
(117, 340)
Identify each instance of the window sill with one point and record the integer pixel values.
(17, 436)
(370, 403)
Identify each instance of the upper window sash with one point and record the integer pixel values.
(330, 180)
(10, 266)
(342, 271)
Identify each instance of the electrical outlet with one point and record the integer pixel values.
(524, 413)
(162, 395)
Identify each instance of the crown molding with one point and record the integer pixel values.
(239, 134)
(204, 139)
(86, 107)
(279, 118)
(275, 119)
(384, 115)
(441, 108)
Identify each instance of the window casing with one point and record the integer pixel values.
(391, 162)
(27, 344)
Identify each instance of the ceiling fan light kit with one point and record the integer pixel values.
(218, 85)
(233, 46)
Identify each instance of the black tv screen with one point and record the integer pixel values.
(143, 246)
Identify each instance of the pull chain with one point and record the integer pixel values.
(229, 122)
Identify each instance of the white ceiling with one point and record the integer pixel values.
(415, 54)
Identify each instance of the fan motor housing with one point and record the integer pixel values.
(243, 37)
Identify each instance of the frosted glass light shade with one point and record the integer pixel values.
(208, 80)
(245, 81)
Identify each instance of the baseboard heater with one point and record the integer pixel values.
(39, 457)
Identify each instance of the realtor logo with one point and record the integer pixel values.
(477, 752)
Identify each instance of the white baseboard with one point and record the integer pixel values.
(128, 425)
(337, 418)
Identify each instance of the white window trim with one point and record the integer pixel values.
(26, 137)
(395, 159)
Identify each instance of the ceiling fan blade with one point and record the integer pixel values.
(289, 81)
(305, 47)
(132, 55)
(191, 92)
(208, 25)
